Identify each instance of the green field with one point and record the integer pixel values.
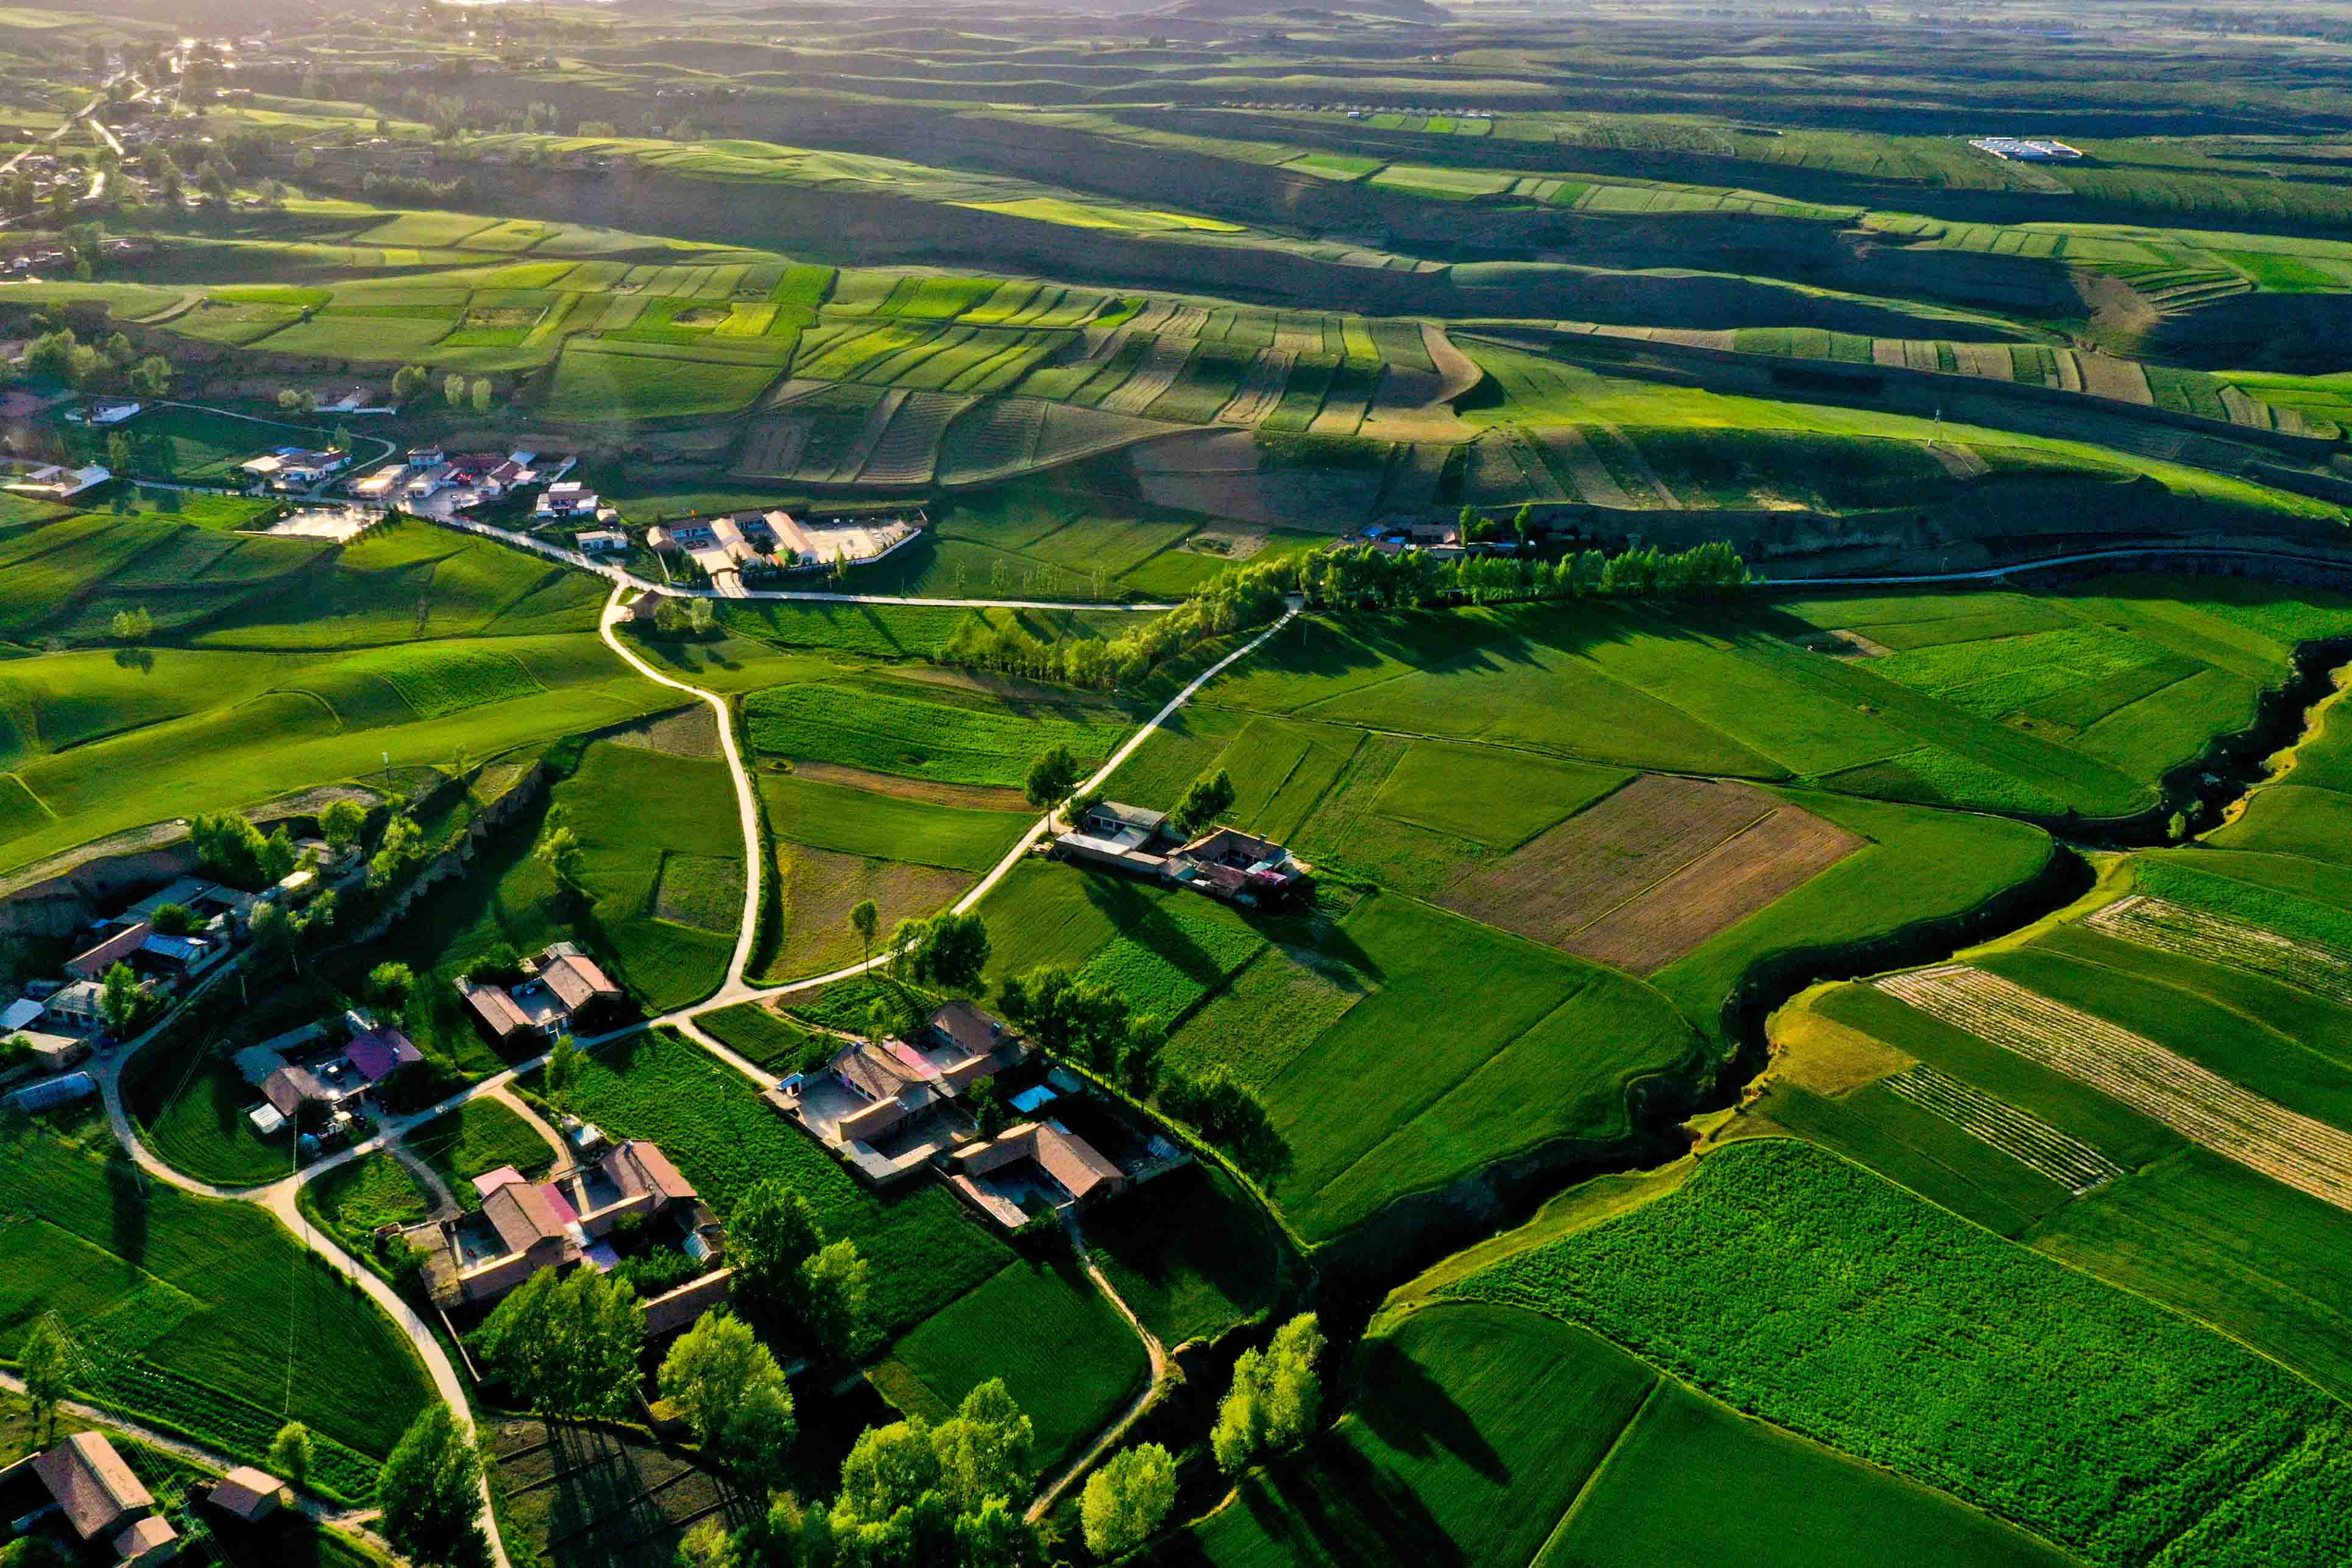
(190, 1311)
(2205, 1452)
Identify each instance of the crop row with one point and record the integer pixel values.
(2233, 945)
(2029, 1140)
(2136, 1072)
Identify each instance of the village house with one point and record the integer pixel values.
(93, 1494)
(1238, 867)
(564, 500)
(381, 485)
(887, 1107)
(601, 541)
(1072, 1149)
(296, 467)
(52, 482)
(1123, 837)
(291, 1074)
(248, 1495)
(560, 987)
(629, 1190)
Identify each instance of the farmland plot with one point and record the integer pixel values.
(1652, 871)
(2030, 1141)
(2234, 944)
(2160, 1084)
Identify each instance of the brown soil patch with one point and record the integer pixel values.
(976, 797)
(820, 887)
(688, 732)
(1644, 877)
(1844, 644)
(1726, 884)
(2122, 380)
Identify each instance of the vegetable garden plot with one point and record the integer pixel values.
(2216, 939)
(2029, 1140)
(2168, 1087)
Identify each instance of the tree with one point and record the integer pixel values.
(1523, 521)
(563, 1060)
(1205, 799)
(865, 919)
(290, 1456)
(409, 382)
(1276, 1398)
(44, 1363)
(277, 856)
(1052, 776)
(151, 377)
(118, 452)
(132, 627)
(731, 1394)
(771, 1234)
(482, 395)
(342, 822)
(431, 1493)
(1126, 1500)
(453, 390)
(833, 1305)
(709, 1545)
(390, 985)
(568, 1343)
(700, 616)
(984, 1449)
(949, 951)
(272, 930)
(300, 402)
(172, 920)
(120, 998)
(559, 850)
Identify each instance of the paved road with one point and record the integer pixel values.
(2078, 557)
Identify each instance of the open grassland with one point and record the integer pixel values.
(187, 1312)
(1489, 1434)
(2204, 1452)
(923, 1249)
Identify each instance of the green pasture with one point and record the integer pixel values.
(920, 731)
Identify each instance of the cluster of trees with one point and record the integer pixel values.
(114, 365)
(676, 617)
(132, 627)
(1228, 1114)
(1364, 579)
(1085, 1022)
(943, 1496)
(1205, 800)
(236, 851)
(458, 392)
(946, 952)
(1127, 1499)
(1276, 1398)
(1246, 596)
(788, 1276)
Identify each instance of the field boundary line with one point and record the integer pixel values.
(1593, 1476)
(1740, 831)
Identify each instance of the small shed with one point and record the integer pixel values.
(249, 1494)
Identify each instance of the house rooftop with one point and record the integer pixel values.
(92, 1486)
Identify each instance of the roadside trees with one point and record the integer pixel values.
(290, 1456)
(1052, 776)
(866, 920)
(430, 1493)
(568, 1345)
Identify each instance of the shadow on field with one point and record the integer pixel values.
(1414, 1413)
(1338, 1506)
(128, 1189)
